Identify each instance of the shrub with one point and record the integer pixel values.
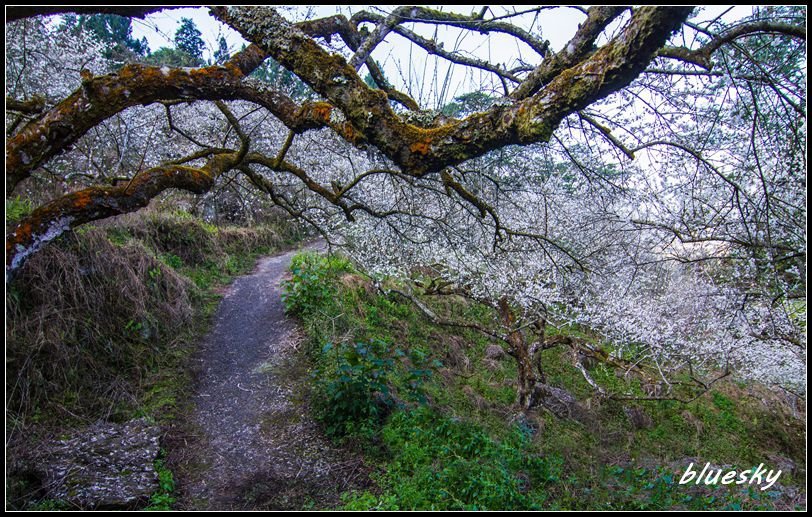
(353, 387)
(162, 499)
(312, 288)
(359, 384)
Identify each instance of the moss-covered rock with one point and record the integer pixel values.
(103, 466)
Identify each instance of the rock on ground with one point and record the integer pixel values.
(559, 402)
(494, 352)
(104, 466)
(638, 418)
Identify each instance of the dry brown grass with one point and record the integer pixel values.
(85, 319)
(244, 240)
(185, 238)
(193, 241)
(88, 319)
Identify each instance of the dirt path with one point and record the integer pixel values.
(252, 443)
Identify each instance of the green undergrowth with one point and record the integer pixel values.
(101, 323)
(163, 498)
(16, 208)
(438, 420)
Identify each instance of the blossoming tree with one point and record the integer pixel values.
(646, 179)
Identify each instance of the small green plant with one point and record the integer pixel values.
(209, 228)
(233, 265)
(133, 328)
(420, 373)
(311, 287)
(182, 214)
(162, 499)
(172, 260)
(17, 208)
(119, 236)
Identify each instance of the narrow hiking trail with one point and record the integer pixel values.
(251, 443)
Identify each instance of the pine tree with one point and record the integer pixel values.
(221, 55)
(188, 40)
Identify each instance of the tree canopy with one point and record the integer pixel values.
(647, 179)
(112, 30)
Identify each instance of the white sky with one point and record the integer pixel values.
(160, 28)
(403, 62)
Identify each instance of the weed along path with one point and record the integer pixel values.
(249, 442)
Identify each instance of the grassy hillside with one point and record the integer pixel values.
(100, 324)
(436, 416)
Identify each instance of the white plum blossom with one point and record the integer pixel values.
(573, 253)
(683, 234)
(43, 60)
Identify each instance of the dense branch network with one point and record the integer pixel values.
(368, 116)
(640, 112)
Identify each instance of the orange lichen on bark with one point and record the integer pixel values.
(424, 141)
(23, 231)
(321, 111)
(421, 147)
(82, 198)
(348, 132)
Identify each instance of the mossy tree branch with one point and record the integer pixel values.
(420, 151)
(99, 98)
(91, 204)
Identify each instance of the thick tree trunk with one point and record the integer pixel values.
(527, 374)
(520, 351)
(541, 340)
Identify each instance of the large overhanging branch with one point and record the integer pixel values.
(419, 151)
(91, 204)
(102, 97)
(99, 98)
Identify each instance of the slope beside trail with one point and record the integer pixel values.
(250, 442)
